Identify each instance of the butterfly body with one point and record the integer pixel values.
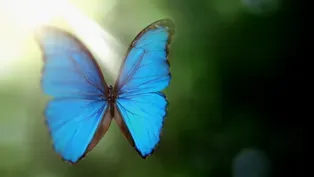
(83, 105)
(111, 97)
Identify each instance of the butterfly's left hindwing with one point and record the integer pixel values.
(72, 124)
(140, 105)
(72, 77)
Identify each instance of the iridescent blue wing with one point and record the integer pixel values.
(77, 116)
(140, 106)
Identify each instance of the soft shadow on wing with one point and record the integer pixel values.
(122, 125)
(101, 131)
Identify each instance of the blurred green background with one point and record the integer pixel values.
(228, 97)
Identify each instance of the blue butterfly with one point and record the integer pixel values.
(83, 105)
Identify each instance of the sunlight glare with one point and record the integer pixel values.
(8, 55)
(23, 16)
(103, 45)
(31, 13)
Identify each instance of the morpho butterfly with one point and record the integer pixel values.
(83, 105)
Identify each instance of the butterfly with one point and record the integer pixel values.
(83, 105)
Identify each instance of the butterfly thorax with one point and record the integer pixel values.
(111, 95)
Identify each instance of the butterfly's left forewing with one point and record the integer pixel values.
(77, 116)
(140, 106)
